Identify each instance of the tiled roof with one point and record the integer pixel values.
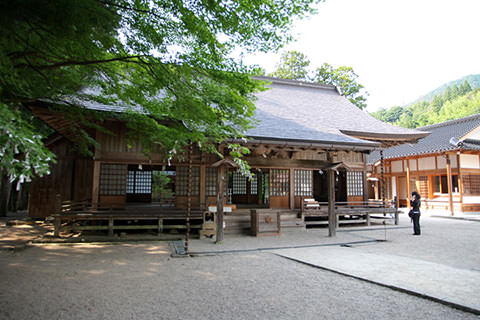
(295, 110)
(305, 113)
(445, 136)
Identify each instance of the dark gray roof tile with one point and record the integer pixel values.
(439, 140)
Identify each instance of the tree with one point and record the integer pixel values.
(171, 57)
(344, 78)
(293, 65)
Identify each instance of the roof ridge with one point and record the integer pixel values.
(450, 122)
(300, 83)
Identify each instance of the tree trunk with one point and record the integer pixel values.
(5, 190)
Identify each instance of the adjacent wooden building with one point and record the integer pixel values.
(444, 167)
(304, 131)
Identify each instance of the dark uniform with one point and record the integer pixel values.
(415, 204)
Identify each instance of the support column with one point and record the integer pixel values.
(365, 185)
(203, 187)
(460, 181)
(409, 190)
(449, 184)
(332, 216)
(382, 176)
(220, 196)
(189, 197)
(292, 189)
(96, 184)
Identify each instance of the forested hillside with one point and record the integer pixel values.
(473, 80)
(454, 102)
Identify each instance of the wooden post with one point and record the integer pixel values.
(203, 184)
(365, 185)
(96, 184)
(409, 190)
(460, 182)
(449, 184)
(220, 191)
(332, 216)
(160, 226)
(292, 189)
(189, 197)
(110, 227)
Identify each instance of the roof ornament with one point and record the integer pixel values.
(455, 142)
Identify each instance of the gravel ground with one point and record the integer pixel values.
(142, 281)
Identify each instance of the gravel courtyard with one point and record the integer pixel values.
(142, 281)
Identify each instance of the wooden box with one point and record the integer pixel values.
(265, 223)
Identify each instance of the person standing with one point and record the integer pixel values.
(415, 212)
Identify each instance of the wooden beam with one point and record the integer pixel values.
(286, 163)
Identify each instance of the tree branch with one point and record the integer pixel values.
(88, 62)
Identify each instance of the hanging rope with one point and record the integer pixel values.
(189, 197)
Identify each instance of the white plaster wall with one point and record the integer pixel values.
(469, 161)
(426, 163)
(453, 160)
(413, 164)
(441, 162)
(397, 166)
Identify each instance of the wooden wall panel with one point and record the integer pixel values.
(279, 202)
(114, 202)
(83, 180)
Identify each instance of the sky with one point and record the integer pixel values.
(401, 50)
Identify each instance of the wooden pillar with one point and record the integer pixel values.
(96, 184)
(292, 189)
(409, 191)
(189, 197)
(449, 184)
(220, 196)
(203, 187)
(332, 217)
(365, 185)
(382, 176)
(460, 181)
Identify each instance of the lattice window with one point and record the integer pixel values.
(279, 181)
(413, 184)
(181, 185)
(239, 183)
(303, 183)
(143, 182)
(354, 183)
(113, 179)
(211, 182)
(471, 184)
(254, 185)
(423, 186)
(130, 181)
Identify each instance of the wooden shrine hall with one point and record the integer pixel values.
(308, 154)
